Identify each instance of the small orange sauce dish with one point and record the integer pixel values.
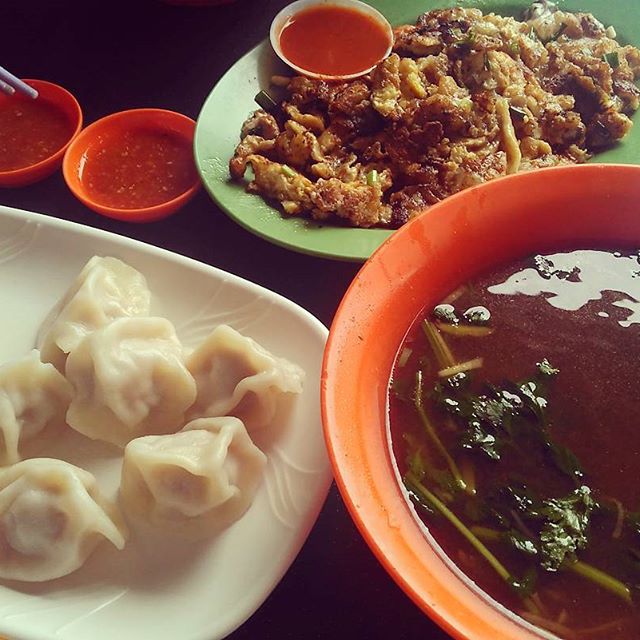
(34, 133)
(458, 239)
(134, 165)
(333, 40)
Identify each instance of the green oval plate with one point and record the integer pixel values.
(231, 101)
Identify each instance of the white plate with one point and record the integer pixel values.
(162, 588)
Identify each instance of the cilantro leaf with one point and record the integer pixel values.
(533, 398)
(565, 529)
(477, 437)
(565, 460)
(446, 313)
(546, 369)
(522, 543)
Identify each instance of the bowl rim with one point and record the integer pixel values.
(26, 172)
(281, 18)
(139, 214)
(364, 498)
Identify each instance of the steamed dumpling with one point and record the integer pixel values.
(204, 476)
(33, 396)
(236, 376)
(105, 289)
(52, 517)
(129, 380)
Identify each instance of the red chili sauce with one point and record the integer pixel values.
(30, 131)
(334, 40)
(138, 168)
(580, 312)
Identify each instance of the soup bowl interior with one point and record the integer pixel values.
(467, 234)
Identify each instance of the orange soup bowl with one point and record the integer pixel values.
(134, 165)
(34, 134)
(465, 235)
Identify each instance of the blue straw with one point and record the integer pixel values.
(9, 79)
(6, 88)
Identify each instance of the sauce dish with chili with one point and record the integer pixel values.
(34, 133)
(134, 165)
(332, 40)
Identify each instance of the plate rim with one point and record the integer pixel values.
(323, 478)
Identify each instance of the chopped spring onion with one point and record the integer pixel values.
(287, 171)
(613, 59)
(405, 354)
(431, 432)
(606, 581)
(464, 329)
(432, 500)
(465, 40)
(486, 534)
(265, 101)
(469, 365)
(372, 178)
(517, 113)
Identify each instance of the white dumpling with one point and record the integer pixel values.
(129, 380)
(105, 289)
(33, 396)
(52, 517)
(203, 477)
(236, 376)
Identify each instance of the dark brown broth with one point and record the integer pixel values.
(593, 404)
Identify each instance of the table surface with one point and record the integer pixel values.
(119, 55)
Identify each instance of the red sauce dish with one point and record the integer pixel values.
(134, 165)
(34, 134)
(331, 39)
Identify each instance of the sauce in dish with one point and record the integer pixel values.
(138, 168)
(30, 131)
(512, 412)
(334, 41)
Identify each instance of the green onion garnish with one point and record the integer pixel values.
(372, 178)
(613, 59)
(517, 114)
(265, 101)
(288, 171)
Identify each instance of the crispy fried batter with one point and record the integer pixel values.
(260, 123)
(249, 145)
(278, 182)
(463, 98)
(357, 203)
